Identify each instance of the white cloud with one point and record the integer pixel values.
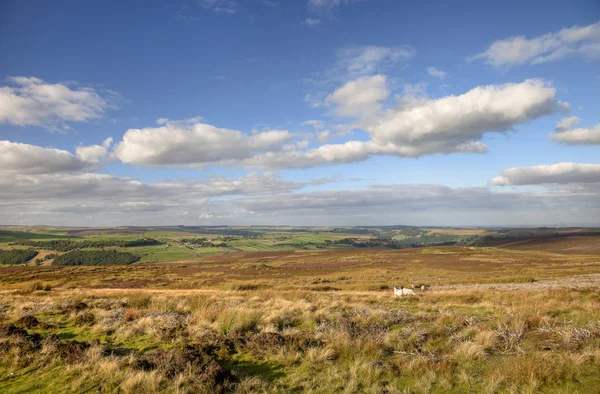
(180, 144)
(365, 60)
(33, 102)
(560, 173)
(312, 22)
(97, 199)
(348, 152)
(457, 123)
(361, 97)
(567, 123)
(518, 50)
(424, 204)
(94, 154)
(102, 187)
(565, 133)
(419, 126)
(434, 72)
(21, 158)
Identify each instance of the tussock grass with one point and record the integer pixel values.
(299, 340)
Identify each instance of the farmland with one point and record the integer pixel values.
(276, 309)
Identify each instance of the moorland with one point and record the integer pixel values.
(299, 309)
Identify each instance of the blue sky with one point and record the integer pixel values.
(433, 100)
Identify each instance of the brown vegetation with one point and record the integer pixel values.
(318, 321)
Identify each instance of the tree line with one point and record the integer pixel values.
(66, 245)
(202, 243)
(17, 256)
(95, 257)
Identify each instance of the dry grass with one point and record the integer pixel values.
(265, 341)
(272, 323)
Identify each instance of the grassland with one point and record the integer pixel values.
(514, 318)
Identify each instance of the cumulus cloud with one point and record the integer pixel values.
(418, 126)
(457, 123)
(94, 154)
(434, 72)
(30, 101)
(21, 158)
(560, 173)
(566, 134)
(361, 97)
(574, 41)
(184, 144)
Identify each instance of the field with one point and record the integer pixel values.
(522, 316)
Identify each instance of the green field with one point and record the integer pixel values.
(175, 246)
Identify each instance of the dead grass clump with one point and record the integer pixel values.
(317, 355)
(141, 382)
(252, 385)
(468, 351)
(243, 287)
(487, 339)
(139, 300)
(572, 337)
(510, 337)
(287, 319)
(238, 320)
(36, 286)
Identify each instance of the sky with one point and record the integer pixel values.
(300, 112)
